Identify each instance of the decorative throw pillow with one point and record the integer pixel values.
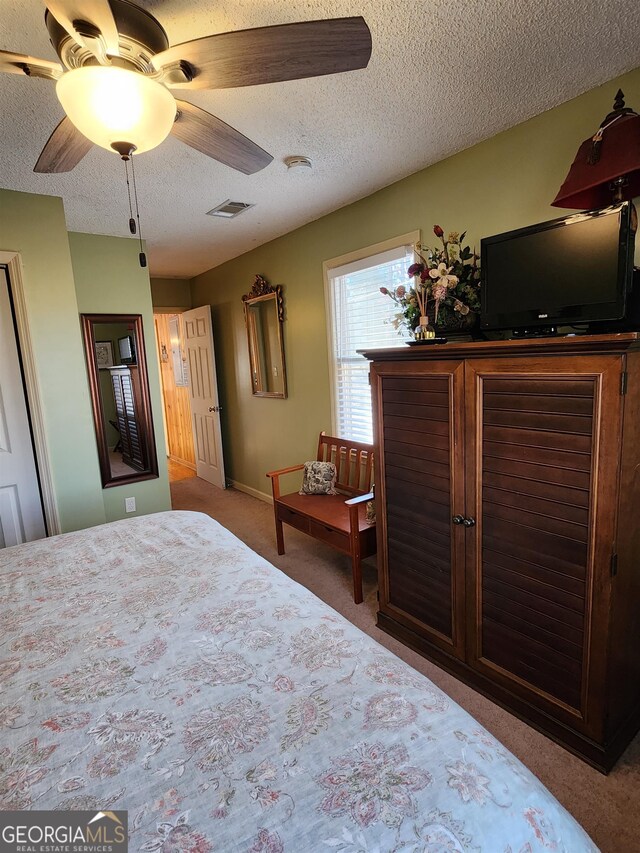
(319, 479)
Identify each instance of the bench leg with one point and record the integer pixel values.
(279, 533)
(356, 567)
(275, 491)
(356, 552)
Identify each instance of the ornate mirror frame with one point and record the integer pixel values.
(144, 421)
(260, 299)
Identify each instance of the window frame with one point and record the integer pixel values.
(408, 239)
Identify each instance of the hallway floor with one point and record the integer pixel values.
(179, 472)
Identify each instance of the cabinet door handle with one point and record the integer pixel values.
(468, 522)
(458, 519)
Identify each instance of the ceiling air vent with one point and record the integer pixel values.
(228, 209)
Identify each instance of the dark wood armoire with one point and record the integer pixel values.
(508, 497)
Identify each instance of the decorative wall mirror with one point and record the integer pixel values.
(264, 317)
(119, 386)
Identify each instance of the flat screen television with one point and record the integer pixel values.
(127, 350)
(573, 270)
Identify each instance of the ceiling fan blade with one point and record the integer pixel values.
(210, 135)
(65, 148)
(19, 63)
(272, 54)
(100, 37)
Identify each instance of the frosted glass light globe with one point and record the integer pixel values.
(109, 104)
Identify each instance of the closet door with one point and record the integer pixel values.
(542, 444)
(21, 515)
(418, 410)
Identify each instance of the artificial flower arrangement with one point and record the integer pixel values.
(446, 285)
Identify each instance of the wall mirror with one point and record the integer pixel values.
(264, 317)
(119, 386)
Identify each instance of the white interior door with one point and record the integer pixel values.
(21, 516)
(197, 337)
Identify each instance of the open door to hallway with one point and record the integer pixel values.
(205, 406)
(190, 393)
(175, 390)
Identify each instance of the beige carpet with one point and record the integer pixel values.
(607, 806)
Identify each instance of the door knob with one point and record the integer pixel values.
(215, 408)
(468, 522)
(458, 519)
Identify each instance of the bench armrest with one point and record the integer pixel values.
(361, 499)
(352, 505)
(274, 476)
(284, 471)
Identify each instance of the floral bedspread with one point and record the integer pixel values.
(159, 665)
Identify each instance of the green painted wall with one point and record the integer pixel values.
(503, 183)
(171, 293)
(109, 280)
(35, 227)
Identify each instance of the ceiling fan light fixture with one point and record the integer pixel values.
(111, 105)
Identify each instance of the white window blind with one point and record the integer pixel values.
(362, 318)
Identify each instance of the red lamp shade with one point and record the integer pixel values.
(607, 166)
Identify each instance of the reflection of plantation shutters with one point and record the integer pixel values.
(362, 319)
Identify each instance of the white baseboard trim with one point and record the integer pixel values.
(262, 496)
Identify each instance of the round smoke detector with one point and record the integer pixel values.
(297, 162)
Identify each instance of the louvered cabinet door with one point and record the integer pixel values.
(419, 437)
(124, 392)
(542, 443)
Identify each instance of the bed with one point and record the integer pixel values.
(158, 665)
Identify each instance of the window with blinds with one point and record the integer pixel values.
(362, 318)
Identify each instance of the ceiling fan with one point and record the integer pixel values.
(117, 69)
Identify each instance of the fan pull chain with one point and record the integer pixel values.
(125, 150)
(142, 256)
(132, 222)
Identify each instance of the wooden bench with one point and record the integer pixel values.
(330, 518)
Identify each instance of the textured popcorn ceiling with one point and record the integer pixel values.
(442, 76)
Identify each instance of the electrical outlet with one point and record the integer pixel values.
(129, 504)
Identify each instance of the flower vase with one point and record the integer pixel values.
(457, 326)
(424, 331)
